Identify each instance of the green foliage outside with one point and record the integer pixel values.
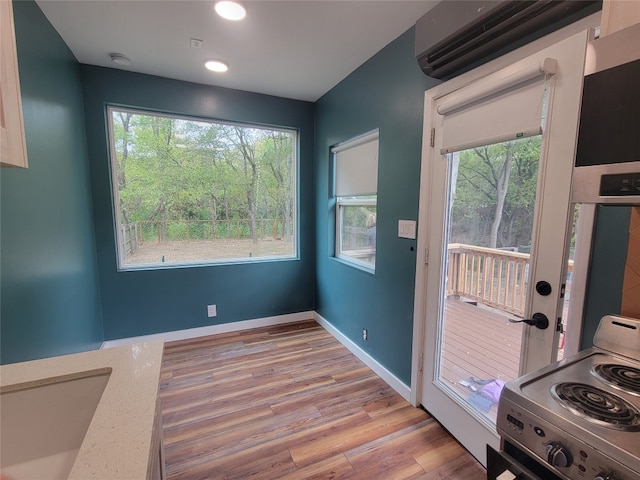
(494, 197)
(224, 179)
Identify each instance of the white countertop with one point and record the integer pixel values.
(118, 443)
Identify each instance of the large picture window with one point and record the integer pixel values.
(194, 191)
(355, 190)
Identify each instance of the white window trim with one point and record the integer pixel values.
(115, 194)
(365, 185)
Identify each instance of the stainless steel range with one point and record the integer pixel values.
(578, 418)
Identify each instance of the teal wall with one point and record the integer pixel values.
(386, 92)
(60, 285)
(50, 296)
(144, 302)
(606, 267)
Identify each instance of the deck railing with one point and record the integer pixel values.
(491, 276)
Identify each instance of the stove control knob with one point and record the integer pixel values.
(558, 455)
(606, 476)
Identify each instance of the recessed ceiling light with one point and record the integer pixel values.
(216, 65)
(120, 59)
(230, 10)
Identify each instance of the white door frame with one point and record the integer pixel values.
(424, 229)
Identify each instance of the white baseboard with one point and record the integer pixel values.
(394, 382)
(212, 329)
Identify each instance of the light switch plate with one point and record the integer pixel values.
(407, 229)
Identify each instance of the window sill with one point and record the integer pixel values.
(358, 266)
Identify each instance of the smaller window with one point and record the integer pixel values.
(356, 230)
(355, 192)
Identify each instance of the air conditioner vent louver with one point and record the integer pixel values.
(456, 36)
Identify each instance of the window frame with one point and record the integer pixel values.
(365, 198)
(115, 193)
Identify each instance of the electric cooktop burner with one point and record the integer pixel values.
(597, 406)
(621, 377)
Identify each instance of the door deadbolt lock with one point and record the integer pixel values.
(543, 288)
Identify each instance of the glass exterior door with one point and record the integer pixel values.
(494, 221)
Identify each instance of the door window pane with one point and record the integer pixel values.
(488, 231)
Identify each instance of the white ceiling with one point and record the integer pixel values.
(296, 49)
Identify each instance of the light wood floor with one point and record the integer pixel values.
(290, 402)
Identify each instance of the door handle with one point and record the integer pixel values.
(538, 320)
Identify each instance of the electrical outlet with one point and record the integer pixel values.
(211, 311)
(365, 334)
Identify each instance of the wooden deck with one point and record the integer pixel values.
(478, 343)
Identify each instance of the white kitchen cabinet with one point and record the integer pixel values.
(13, 150)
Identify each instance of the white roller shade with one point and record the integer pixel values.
(356, 166)
(496, 110)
